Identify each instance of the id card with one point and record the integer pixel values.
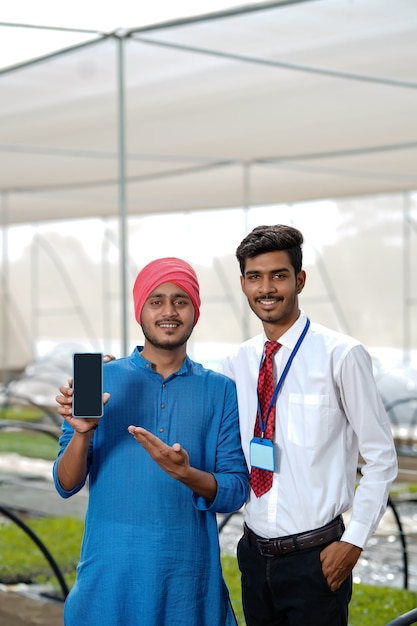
(262, 454)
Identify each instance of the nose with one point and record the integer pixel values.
(169, 309)
(266, 285)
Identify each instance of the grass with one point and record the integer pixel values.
(376, 606)
(21, 414)
(29, 443)
(232, 577)
(22, 561)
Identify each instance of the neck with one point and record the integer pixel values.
(165, 362)
(275, 330)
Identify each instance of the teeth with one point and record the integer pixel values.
(168, 325)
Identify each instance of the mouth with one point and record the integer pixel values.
(168, 325)
(268, 301)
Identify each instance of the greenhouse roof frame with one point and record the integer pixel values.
(277, 103)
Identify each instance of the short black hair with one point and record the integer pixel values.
(270, 239)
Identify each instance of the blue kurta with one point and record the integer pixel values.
(150, 554)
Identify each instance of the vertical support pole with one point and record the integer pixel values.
(246, 206)
(5, 290)
(406, 281)
(106, 290)
(122, 195)
(34, 294)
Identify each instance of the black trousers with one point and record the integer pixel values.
(289, 590)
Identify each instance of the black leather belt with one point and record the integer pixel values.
(301, 541)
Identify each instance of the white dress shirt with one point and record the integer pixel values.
(327, 411)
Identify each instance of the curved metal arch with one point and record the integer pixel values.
(41, 546)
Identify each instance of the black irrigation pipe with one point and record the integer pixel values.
(403, 540)
(406, 619)
(41, 546)
(7, 513)
(225, 520)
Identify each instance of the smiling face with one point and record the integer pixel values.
(167, 317)
(271, 286)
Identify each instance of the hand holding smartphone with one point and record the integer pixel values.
(87, 382)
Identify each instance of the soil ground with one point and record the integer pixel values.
(18, 610)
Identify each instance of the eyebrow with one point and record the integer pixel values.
(182, 294)
(275, 271)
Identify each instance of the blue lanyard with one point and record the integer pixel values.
(263, 422)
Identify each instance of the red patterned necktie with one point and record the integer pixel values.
(260, 479)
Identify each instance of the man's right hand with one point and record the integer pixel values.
(79, 424)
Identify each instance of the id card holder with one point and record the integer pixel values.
(262, 454)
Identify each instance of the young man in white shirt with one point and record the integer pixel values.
(296, 556)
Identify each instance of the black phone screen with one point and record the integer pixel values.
(87, 384)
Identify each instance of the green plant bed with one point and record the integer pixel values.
(21, 414)
(376, 606)
(22, 561)
(403, 491)
(29, 443)
(232, 577)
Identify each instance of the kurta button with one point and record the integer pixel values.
(161, 430)
(163, 385)
(162, 406)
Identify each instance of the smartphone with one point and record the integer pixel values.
(87, 382)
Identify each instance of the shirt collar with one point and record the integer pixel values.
(290, 337)
(143, 363)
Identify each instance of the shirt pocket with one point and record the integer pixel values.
(308, 419)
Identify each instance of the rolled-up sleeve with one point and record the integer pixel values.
(230, 472)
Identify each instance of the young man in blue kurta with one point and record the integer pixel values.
(161, 462)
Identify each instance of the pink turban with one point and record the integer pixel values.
(167, 270)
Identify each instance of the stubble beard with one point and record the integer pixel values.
(272, 317)
(167, 344)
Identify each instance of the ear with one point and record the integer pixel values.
(242, 284)
(301, 281)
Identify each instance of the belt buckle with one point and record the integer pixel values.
(270, 547)
(264, 547)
